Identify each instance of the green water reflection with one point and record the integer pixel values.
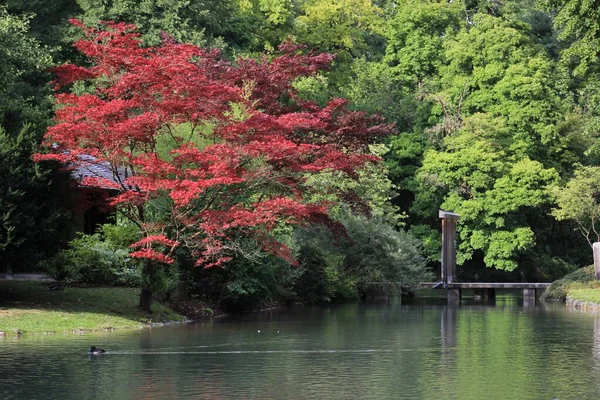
(423, 350)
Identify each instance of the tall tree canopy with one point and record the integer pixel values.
(202, 149)
(24, 89)
(32, 213)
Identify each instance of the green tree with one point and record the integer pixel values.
(578, 24)
(24, 89)
(416, 37)
(33, 220)
(344, 27)
(379, 253)
(498, 144)
(32, 197)
(184, 20)
(48, 23)
(579, 200)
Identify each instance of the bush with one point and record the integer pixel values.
(342, 267)
(379, 253)
(250, 281)
(102, 258)
(59, 267)
(582, 278)
(549, 268)
(315, 283)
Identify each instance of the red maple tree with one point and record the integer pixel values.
(202, 149)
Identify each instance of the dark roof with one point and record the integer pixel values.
(90, 167)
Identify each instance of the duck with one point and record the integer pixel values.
(95, 351)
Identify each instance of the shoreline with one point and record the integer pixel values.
(582, 305)
(29, 308)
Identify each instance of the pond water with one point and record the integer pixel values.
(421, 350)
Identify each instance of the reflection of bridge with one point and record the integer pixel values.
(531, 291)
(483, 290)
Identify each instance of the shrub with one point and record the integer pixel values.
(315, 283)
(582, 278)
(59, 267)
(251, 280)
(550, 268)
(373, 251)
(379, 253)
(101, 258)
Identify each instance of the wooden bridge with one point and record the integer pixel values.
(531, 291)
(487, 290)
(454, 289)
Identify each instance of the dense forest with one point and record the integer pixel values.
(488, 108)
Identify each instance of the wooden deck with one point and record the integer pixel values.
(487, 285)
(531, 291)
(497, 285)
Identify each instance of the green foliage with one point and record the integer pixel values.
(490, 190)
(431, 240)
(184, 20)
(315, 285)
(548, 268)
(497, 143)
(375, 88)
(120, 235)
(24, 90)
(371, 193)
(579, 201)
(48, 22)
(33, 222)
(33, 217)
(314, 88)
(345, 27)
(253, 279)
(496, 104)
(578, 23)
(102, 258)
(416, 37)
(379, 253)
(583, 277)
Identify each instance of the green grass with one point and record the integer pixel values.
(30, 307)
(579, 285)
(587, 295)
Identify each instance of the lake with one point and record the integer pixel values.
(420, 349)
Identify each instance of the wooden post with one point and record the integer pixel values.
(454, 296)
(9, 273)
(448, 245)
(529, 297)
(489, 293)
(448, 330)
(596, 250)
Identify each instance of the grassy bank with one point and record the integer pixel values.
(30, 307)
(579, 286)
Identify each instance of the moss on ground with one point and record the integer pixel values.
(30, 307)
(579, 285)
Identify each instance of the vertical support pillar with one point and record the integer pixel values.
(448, 332)
(596, 250)
(529, 297)
(448, 245)
(454, 296)
(9, 273)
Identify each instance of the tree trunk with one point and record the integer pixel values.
(145, 299)
(147, 284)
